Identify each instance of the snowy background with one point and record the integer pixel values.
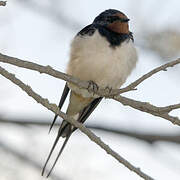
(41, 32)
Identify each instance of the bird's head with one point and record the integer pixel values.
(114, 20)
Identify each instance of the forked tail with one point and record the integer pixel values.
(60, 152)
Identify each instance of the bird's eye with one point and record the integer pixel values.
(115, 18)
(111, 19)
(125, 20)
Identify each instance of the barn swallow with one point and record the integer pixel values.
(103, 53)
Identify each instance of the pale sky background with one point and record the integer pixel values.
(30, 35)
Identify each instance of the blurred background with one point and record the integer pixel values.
(41, 32)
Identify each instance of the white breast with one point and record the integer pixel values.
(92, 58)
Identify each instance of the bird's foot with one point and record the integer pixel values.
(108, 90)
(92, 87)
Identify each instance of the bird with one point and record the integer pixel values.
(102, 53)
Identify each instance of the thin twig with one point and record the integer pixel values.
(162, 112)
(164, 67)
(54, 108)
(82, 84)
(151, 109)
(43, 69)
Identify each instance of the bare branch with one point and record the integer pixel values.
(151, 109)
(162, 112)
(82, 84)
(55, 109)
(3, 3)
(149, 74)
(43, 69)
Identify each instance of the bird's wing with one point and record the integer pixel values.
(63, 98)
(66, 128)
(88, 30)
(86, 112)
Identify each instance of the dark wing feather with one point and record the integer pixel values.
(86, 112)
(88, 30)
(83, 115)
(60, 152)
(63, 98)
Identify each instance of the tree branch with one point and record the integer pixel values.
(55, 109)
(164, 67)
(162, 112)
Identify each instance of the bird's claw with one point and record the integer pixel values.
(108, 90)
(92, 87)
